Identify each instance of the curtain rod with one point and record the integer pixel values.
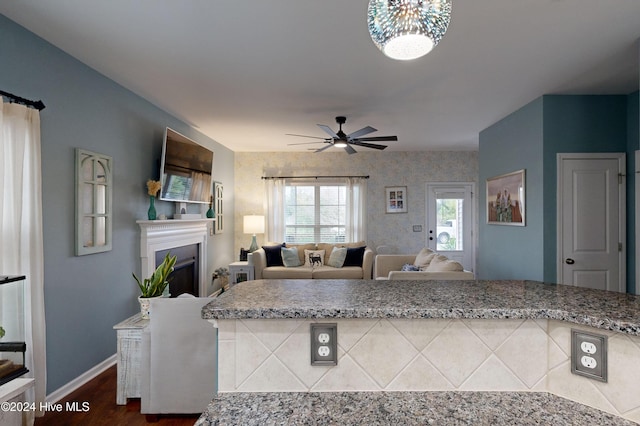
(22, 101)
(313, 177)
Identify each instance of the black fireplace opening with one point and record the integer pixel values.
(186, 275)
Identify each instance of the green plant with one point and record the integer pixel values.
(154, 285)
(1, 332)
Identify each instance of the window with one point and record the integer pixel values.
(316, 211)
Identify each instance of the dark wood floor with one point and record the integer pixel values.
(100, 394)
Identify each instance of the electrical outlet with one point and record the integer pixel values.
(589, 355)
(324, 344)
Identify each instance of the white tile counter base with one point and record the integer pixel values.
(272, 355)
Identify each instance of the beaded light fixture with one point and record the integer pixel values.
(408, 29)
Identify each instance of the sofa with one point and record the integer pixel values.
(426, 265)
(313, 261)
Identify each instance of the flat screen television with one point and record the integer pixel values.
(185, 169)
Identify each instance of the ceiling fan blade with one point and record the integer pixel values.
(370, 145)
(304, 136)
(377, 138)
(362, 132)
(323, 148)
(306, 143)
(350, 149)
(329, 131)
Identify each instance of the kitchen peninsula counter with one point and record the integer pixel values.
(333, 299)
(423, 339)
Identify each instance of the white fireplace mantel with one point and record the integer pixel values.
(159, 235)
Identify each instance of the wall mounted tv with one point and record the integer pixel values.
(185, 169)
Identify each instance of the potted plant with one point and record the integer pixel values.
(155, 285)
(223, 275)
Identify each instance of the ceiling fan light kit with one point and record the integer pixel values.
(407, 29)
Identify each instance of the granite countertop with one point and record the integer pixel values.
(277, 299)
(401, 408)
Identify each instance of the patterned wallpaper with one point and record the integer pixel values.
(410, 169)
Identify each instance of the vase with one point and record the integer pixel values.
(145, 306)
(151, 213)
(210, 213)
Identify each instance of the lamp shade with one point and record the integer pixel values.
(407, 29)
(253, 224)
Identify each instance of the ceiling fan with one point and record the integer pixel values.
(341, 140)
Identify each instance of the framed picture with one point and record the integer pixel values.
(396, 199)
(506, 199)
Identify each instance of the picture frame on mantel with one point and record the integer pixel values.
(506, 199)
(396, 199)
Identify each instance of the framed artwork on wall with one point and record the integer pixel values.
(396, 199)
(506, 199)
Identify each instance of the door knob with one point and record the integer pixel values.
(569, 261)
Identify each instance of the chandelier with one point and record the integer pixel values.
(408, 29)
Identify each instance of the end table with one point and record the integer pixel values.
(241, 271)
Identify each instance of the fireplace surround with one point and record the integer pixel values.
(160, 235)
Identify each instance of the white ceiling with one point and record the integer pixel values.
(247, 72)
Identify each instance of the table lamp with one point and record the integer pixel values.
(253, 224)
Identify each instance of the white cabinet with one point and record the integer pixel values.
(129, 336)
(241, 271)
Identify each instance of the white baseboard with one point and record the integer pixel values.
(82, 379)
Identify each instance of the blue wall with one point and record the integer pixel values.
(552, 124)
(576, 124)
(514, 143)
(633, 144)
(85, 296)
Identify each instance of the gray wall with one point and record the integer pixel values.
(85, 296)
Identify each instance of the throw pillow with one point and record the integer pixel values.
(274, 256)
(445, 266)
(407, 267)
(313, 258)
(290, 257)
(337, 257)
(354, 256)
(424, 258)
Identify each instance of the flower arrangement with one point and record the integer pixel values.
(220, 272)
(153, 186)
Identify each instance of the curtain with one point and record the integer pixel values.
(356, 204)
(21, 246)
(274, 209)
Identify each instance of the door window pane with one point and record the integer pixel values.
(449, 223)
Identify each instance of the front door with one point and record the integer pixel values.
(450, 221)
(591, 226)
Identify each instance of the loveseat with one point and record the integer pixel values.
(314, 261)
(426, 265)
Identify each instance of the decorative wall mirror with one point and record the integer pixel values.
(217, 199)
(94, 183)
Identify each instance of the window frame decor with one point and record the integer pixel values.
(396, 200)
(218, 192)
(94, 207)
(513, 182)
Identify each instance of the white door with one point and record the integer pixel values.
(450, 221)
(591, 225)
